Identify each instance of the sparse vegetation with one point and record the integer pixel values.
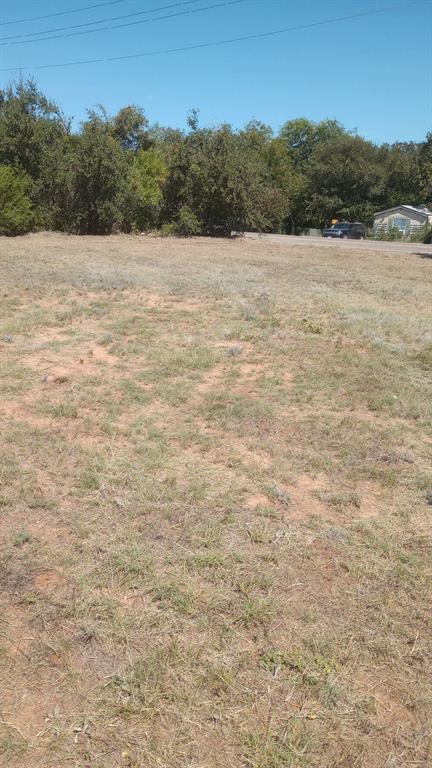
(215, 504)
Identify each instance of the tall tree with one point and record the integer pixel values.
(215, 174)
(345, 180)
(148, 174)
(303, 136)
(425, 156)
(100, 180)
(130, 128)
(35, 139)
(28, 122)
(16, 214)
(402, 170)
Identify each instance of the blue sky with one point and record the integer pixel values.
(374, 74)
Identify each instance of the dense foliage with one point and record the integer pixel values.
(120, 174)
(16, 214)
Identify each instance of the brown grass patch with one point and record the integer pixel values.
(215, 526)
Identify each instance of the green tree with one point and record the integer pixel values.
(222, 180)
(402, 170)
(35, 138)
(130, 128)
(287, 180)
(100, 183)
(425, 157)
(302, 137)
(16, 213)
(345, 179)
(28, 121)
(148, 174)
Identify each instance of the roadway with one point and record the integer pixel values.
(358, 245)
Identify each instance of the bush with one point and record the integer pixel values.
(166, 230)
(424, 235)
(147, 177)
(393, 233)
(427, 235)
(16, 214)
(187, 223)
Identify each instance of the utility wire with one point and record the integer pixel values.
(98, 21)
(216, 43)
(132, 23)
(61, 13)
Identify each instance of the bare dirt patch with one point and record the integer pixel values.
(253, 457)
(212, 379)
(250, 375)
(69, 362)
(22, 411)
(48, 581)
(369, 499)
(303, 499)
(258, 500)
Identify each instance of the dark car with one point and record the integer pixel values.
(345, 230)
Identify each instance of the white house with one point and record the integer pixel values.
(406, 218)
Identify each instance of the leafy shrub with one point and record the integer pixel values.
(393, 233)
(166, 230)
(16, 214)
(99, 180)
(147, 177)
(424, 235)
(427, 235)
(187, 223)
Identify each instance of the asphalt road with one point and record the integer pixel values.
(358, 245)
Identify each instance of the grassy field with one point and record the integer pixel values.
(215, 505)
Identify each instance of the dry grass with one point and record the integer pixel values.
(215, 505)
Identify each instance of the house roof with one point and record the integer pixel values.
(409, 208)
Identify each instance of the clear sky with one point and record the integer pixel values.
(372, 73)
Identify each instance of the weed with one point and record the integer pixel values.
(208, 560)
(341, 500)
(275, 750)
(22, 537)
(279, 494)
(259, 535)
(257, 610)
(311, 327)
(130, 563)
(171, 595)
(60, 410)
(13, 745)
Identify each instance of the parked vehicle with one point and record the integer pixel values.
(346, 230)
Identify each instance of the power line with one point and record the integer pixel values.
(215, 43)
(61, 13)
(134, 23)
(97, 21)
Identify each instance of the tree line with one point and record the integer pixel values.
(120, 174)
